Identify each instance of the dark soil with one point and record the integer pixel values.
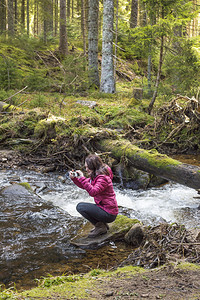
(165, 283)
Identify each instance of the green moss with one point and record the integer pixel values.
(123, 223)
(188, 266)
(125, 149)
(26, 185)
(48, 127)
(67, 290)
(9, 108)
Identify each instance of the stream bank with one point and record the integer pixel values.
(55, 194)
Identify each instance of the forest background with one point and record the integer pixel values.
(73, 72)
(54, 53)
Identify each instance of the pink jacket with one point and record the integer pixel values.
(101, 188)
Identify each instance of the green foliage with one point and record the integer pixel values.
(95, 272)
(124, 117)
(74, 73)
(37, 81)
(9, 75)
(56, 280)
(182, 69)
(9, 293)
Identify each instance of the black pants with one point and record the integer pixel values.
(94, 214)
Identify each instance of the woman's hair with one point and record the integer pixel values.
(96, 165)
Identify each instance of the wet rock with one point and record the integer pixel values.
(117, 230)
(135, 235)
(15, 189)
(33, 232)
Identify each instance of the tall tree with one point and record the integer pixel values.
(3, 16)
(68, 9)
(16, 15)
(107, 68)
(134, 14)
(83, 25)
(63, 47)
(23, 14)
(93, 42)
(10, 17)
(48, 18)
(56, 17)
(27, 17)
(35, 19)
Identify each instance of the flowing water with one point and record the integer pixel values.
(35, 230)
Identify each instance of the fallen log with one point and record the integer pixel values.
(153, 162)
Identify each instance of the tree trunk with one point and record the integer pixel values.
(23, 14)
(134, 14)
(153, 162)
(63, 47)
(27, 19)
(35, 20)
(68, 9)
(149, 72)
(10, 18)
(48, 18)
(83, 25)
(93, 42)
(107, 67)
(16, 16)
(158, 76)
(116, 37)
(3, 16)
(56, 17)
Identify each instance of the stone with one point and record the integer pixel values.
(91, 104)
(135, 235)
(117, 230)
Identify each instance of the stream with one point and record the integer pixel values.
(35, 229)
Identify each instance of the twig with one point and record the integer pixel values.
(189, 244)
(61, 66)
(8, 99)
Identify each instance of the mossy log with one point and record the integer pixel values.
(153, 162)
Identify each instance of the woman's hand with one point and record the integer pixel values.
(80, 173)
(75, 174)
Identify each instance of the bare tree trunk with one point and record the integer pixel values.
(149, 72)
(158, 76)
(134, 14)
(72, 9)
(116, 36)
(27, 19)
(63, 47)
(35, 18)
(68, 9)
(107, 67)
(23, 14)
(83, 25)
(10, 18)
(93, 42)
(51, 17)
(56, 17)
(3, 16)
(16, 16)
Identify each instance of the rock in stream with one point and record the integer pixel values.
(33, 232)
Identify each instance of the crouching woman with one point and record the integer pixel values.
(98, 185)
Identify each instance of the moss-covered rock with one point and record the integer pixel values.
(117, 230)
